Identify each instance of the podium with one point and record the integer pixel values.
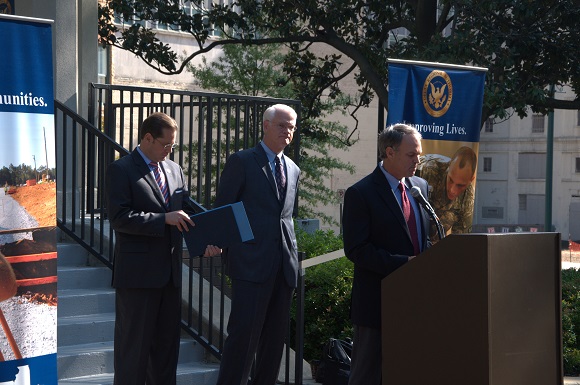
(478, 309)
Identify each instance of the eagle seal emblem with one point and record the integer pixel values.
(437, 93)
(5, 7)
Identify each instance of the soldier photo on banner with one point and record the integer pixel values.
(451, 178)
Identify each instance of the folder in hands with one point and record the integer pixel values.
(222, 227)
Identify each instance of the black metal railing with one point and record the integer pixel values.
(212, 126)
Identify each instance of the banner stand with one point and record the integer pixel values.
(28, 258)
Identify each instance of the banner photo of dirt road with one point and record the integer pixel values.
(28, 278)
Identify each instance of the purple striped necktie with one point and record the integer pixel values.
(280, 179)
(160, 182)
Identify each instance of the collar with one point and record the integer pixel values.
(393, 182)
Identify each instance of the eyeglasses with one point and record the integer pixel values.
(287, 127)
(169, 146)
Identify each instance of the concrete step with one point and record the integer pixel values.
(72, 254)
(86, 324)
(83, 329)
(78, 302)
(84, 360)
(83, 277)
(187, 374)
(95, 359)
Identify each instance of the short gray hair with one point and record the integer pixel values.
(271, 111)
(392, 136)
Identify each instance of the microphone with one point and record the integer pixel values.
(416, 193)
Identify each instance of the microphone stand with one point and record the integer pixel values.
(440, 230)
(416, 193)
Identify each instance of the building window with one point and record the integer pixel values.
(492, 212)
(487, 164)
(102, 63)
(578, 119)
(531, 165)
(577, 164)
(189, 8)
(538, 123)
(523, 202)
(489, 125)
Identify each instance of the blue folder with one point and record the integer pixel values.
(222, 227)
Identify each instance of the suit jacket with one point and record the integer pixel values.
(377, 240)
(147, 251)
(247, 177)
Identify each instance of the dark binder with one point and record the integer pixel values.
(222, 227)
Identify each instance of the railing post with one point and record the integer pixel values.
(299, 323)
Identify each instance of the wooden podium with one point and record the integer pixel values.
(477, 309)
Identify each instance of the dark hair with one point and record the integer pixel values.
(392, 136)
(465, 156)
(156, 123)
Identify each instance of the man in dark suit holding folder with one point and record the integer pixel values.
(263, 271)
(146, 199)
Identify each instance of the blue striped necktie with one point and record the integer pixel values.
(162, 185)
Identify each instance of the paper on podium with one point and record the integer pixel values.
(222, 227)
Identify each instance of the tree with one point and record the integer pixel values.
(255, 70)
(527, 46)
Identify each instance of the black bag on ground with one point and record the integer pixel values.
(334, 367)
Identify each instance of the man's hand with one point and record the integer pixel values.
(179, 219)
(212, 251)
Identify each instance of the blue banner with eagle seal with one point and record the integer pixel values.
(443, 102)
(28, 255)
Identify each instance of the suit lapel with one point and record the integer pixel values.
(148, 176)
(425, 227)
(291, 178)
(169, 179)
(264, 164)
(388, 196)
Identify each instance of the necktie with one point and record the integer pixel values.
(160, 182)
(280, 179)
(409, 215)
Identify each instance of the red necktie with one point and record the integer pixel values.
(162, 186)
(409, 215)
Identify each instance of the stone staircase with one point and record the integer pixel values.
(86, 319)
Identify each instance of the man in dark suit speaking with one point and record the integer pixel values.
(146, 199)
(264, 271)
(383, 228)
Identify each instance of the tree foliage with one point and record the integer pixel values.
(12, 175)
(527, 45)
(256, 71)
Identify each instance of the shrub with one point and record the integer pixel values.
(327, 293)
(571, 321)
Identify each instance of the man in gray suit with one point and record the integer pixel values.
(264, 271)
(146, 199)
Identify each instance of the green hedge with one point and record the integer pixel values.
(327, 293)
(571, 321)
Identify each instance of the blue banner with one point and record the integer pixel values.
(28, 277)
(26, 81)
(443, 102)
